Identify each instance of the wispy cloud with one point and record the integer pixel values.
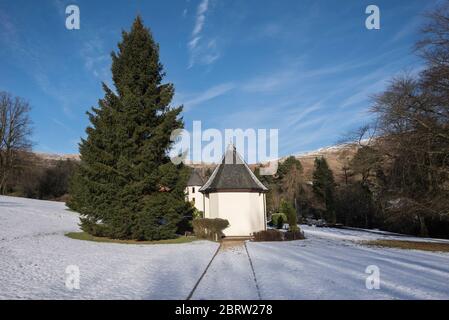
(202, 51)
(271, 29)
(10, 37)
(30, 61)
(266, 83)
(200, 17)
(54, 92)
(63, 125)
(95, 58)
(6, 25)
(207, 95)
(307, 105)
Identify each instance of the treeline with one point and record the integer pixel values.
(33, 177)
(22, 173)
(398, 179)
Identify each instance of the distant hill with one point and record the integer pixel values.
(55, 156)
(337, 156)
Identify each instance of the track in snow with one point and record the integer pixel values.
(229, 276)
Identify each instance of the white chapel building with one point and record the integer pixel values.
(234, 193)
(194, 184)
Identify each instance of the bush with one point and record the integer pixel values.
(269, 235)
(278, 220)
(211, 229)
(294, 235)
(197, 214)
(290, 212)
(276, 235)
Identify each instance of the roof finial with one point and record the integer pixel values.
(231, 144)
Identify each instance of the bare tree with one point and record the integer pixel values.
(434, 48)
(15, 132)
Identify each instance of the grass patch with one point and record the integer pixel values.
(416, 245)
(87, 237)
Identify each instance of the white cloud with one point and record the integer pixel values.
(95, 59)
(199, 23)
(201, 50)
(194, 42)
(207, 95)
(268, 82)
(200, 17)
(54, 91)
(63, 125)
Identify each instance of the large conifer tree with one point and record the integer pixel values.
(126, 186)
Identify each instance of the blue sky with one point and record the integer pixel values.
(306, 67)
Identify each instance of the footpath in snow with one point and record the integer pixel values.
(229, 276)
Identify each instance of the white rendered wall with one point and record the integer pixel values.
(206, 206)
(198, 196)
(245, 211)
(213, 206)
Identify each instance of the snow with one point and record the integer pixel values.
(34, 255)
(229, 277)
(354, 234)
(329, 264)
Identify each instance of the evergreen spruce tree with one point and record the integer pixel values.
(324, 187)
(126, 186)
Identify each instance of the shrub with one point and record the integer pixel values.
(197, 214)
(294, 235)
(290, 212)
(278, 220)
(211, 229)
(276, 235)
(269, 235)
(280, 223)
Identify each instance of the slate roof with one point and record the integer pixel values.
(233, 174)
(195, 179)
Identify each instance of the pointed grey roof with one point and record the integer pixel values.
(195, 179)
(233, 174)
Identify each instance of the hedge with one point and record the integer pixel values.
(211, 229)
(276, 235)
(269, 235)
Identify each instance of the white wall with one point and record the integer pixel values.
(192, 193)
(244, 210)
(206, 206)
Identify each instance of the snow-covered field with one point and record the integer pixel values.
(34, 255)
(329, 264)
